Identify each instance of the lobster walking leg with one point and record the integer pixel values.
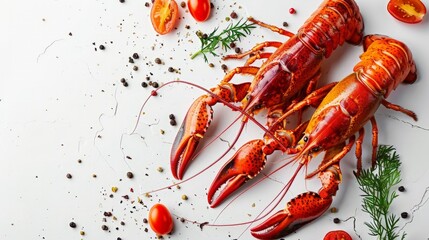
(305, 207)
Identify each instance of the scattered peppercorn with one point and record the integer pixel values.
(82, 233)
(401, 189)
(155, 84)
(144, 84)
(184, 197)
(68, 175)
(94, 175)
(292, 10)
(204, 36)
(187, 27)
(130, 60)
(114, 189)
(118, 238)
(79, 160)
(158, 61)
(232, 45)
(404, 215)
(123, 80)
(233, 15)
(130, 175)
(170, 69)
(72, 224)
(136, 56)
(125, 84)
(224, 67)
(211, 5)
(211, 65)
(237, 50)
(336, 220)
(334, 210)
(107, 214)
(145, 220)
(121, 1)
(135, 68)
(126, 197)
(285, 24)
(183, 4)
(102, 47)
(104, 227)
(160, 169)
(122, 223)
(147, 4)
(171, 116)
(173, 122)
(182, 220)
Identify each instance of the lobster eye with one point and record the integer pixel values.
(305, 139)
(315, 149)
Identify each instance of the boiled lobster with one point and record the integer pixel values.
(288, 74)
(344, 108)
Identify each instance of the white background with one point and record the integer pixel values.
(61, 100)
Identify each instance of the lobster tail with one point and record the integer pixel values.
(388, 59)
(337, 21)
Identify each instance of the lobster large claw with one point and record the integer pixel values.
(299, 211)
(246, 163)
(193, 128)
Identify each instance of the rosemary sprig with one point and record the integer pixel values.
(376, 184)
(211, 42)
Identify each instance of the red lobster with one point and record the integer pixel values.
(288, 74)
(344, 109)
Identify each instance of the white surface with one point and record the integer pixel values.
(57, 95)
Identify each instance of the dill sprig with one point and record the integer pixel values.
(376, 184)
(211, 42)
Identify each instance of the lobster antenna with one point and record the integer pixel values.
(228, 104)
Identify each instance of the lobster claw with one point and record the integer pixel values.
(246, 163)
(193, 128)
(299, 211)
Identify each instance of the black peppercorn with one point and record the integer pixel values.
(72, 224)
(336, 220)
(130, 175)
(102, 47)
(401, 189)
(404, 215)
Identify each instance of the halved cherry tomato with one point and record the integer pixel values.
(164, 15)
(160, 219)
(199, 9)
(408, 11)
(337, 235)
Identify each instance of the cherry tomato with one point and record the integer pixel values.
(164, 15)
(160, 219)
(337, 235)
(408, 11)
(199, 9)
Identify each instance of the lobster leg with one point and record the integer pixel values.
(256, 48)
(374, 141)
(272, 27)
(307, 206)
(199, 116)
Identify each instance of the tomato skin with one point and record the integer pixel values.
(160, 219)
(407, 11)
(164, 15)
(337, 235)
(199, 9)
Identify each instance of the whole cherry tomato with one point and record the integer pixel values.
(199, 9)
(160, 219)
(408, 11)
(337, 235)
(164, 15)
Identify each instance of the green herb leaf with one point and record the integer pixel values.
(211, 42)
(376, 184)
